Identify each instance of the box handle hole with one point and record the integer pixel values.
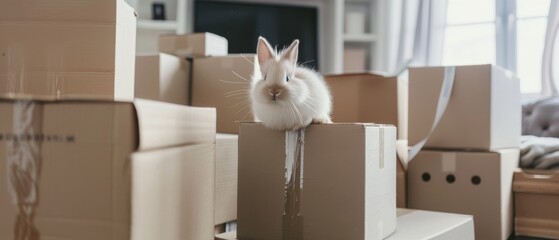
(450, 178)
(476, 180)
(426, 177)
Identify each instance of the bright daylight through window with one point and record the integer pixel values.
(507, 33)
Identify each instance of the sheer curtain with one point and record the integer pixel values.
(416, 36)
(429, 34)
(550, 70)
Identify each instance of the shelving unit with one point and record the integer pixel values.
(148, 30)
(157, 25)
(365, 37)
(359, 35)
(334, 41)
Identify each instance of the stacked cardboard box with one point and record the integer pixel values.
(329, 181)
(106, 170)
(163, 77)
(87, 166)
(372, 97)
(193, 45)
(220, 81)
(216, 79)
(223, 82)
(67, 50)
(468, 159)
(226, 166)
(167, 75)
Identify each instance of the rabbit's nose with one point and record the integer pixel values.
(274, 92)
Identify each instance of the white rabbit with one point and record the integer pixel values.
(288, 96)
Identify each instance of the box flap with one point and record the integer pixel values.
(165, 124)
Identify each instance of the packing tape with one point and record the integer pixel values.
(23, 165)
(20, 80)
(448, 162)
(294, 171)
(15, 75)
(444, 98)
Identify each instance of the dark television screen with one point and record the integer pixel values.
(242, 23)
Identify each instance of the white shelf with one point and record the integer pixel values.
(365, 37)
(157, 24)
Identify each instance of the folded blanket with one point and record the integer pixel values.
(539, 152)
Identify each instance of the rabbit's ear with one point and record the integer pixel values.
(291, 53)
(264, 51)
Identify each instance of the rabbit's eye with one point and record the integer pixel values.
(286, 78)
(265, 77)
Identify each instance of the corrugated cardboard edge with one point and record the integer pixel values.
(226, 177)
(176, 124)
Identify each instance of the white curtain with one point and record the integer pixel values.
(413, 33)
(429, 34)
(550, 68)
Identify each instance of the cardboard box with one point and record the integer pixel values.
(474, 183)
(224, 83)
(369, 97)
(330, 181)
(193, 45)
(220, 228)
(106, 170)
(63, 49)
(226, 236)
(420, 225)
(401, 183)
(483, 112)
(162, 77)
(226, 166)
(536, 194)
(172, 193)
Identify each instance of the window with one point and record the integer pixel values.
(531, 23)
(503, 32)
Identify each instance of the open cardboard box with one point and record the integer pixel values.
(106, 170)
(328, 181)
(64, 49)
